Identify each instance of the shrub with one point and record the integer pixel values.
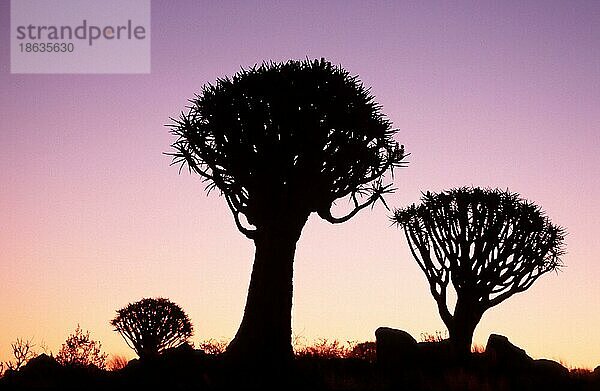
(22, 350)
(81, 351)
(150, 326)
(324, 348)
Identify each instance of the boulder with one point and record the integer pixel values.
(44, 372)
(41, 367)
(395, 347)
(500, 352)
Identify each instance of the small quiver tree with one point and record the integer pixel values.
(79, 350)
(150, 326)
(490, 244)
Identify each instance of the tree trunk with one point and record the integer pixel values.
(465, 320)
(264, 337)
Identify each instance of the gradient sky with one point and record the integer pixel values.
(503, 94)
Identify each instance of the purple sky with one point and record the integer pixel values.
(502, 94)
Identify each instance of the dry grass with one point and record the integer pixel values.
(477, 348)
(324, 348)
(116, 362)
(214, 346)
(437, 336)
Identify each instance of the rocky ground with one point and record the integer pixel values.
(401, 364)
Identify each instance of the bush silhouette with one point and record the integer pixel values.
(23, 351)
(79, 350)
(150, 326)
(281, 141)
(490, 244)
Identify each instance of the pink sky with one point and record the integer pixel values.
(499, 94)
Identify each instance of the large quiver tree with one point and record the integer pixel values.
(281, 141)
(490, 244)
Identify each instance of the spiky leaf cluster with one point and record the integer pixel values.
(288, 136)
(487, 242)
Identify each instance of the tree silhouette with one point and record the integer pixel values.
(23, 351)
(490, 244)
(81, 351)
(150, 326)
(281, 141)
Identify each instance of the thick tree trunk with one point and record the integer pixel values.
(465, 320)
(265, 334)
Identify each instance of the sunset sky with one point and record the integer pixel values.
(500, 94)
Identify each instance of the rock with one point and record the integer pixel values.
(500, 352)
(41, 372)
(549, 368)
(41, 366)
(395, 347)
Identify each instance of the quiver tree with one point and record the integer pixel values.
(490, 244)
(281, 141)
(150, 326)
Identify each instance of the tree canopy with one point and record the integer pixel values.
(288, 136)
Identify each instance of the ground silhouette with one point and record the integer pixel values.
(424, 366)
